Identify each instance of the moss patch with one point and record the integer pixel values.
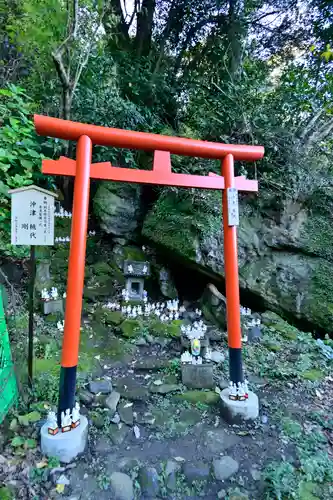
(103, 344)
(134, 253)
(179, 219)
(99, 291)
(160, 329)
(130, 328)
(194, 397)
(312, 375)
(109, 317)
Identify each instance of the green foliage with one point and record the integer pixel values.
(281, 480)
(20, 156)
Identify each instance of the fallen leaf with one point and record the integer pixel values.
(42, 464)
(30, 444)
(29, 418)
(319, 394)
(242, 433)
(60, 488)
(136, 431)
(17, 441)
(98, 357)
(179, 459)
(13, 424)
(157, 382)
(127, 405)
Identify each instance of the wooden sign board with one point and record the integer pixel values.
(32, 216)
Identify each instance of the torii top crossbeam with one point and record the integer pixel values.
(102, 136)
(163, 146)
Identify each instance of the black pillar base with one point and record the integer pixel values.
(66, 390)
(235, 365)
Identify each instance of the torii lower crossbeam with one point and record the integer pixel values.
(161, 174)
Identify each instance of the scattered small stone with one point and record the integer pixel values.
(196, 472)
(100, 386)
(264, 419)
(126, 413)
(152, 363)
(122, 486)
(255, 473)
(164, 388)
(146, 418)
(221, 494)
(258, 381)
(112, 401)
(140, 342)
(171, 466)
(217, 357)
(63, 480)
(116, 418)
(225, 467)
(148, 479)
(118, 433)
(135, 393)
(85, 476)
(223, 383)
(218, 440)
(85, 397)
(171, 481)
(127, 464)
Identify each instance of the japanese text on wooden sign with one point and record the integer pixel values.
(233, 212)
(32, 218)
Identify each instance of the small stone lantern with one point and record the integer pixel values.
(135, 273)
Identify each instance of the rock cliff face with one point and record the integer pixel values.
(285, 247)
(117, 207)
(285, 254)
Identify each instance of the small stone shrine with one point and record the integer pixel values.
(196, 366)
(135, 273)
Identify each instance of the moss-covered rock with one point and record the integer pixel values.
(160, 329)
(6, 493)
(285, 259)
(104, 315)
(131, 328)
(178, 221)
(279, 325)
(134, 253)
(94, 292)
(117, 206)
(203, 397)
(100, 268)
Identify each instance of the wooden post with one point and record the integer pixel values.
(31, 314)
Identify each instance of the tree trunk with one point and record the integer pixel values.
(236, 36)
(145, 27)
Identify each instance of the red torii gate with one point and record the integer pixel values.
(82, 169)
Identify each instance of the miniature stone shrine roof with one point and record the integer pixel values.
(139, 268)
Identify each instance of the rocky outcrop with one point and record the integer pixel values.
(285, 253)
(117, 206)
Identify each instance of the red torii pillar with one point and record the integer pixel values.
(83, 170)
